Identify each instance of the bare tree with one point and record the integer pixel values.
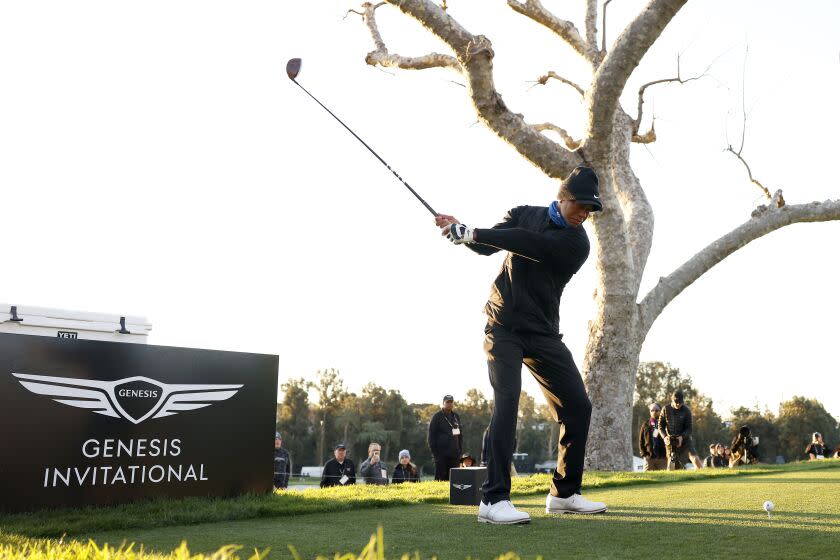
(624, 230)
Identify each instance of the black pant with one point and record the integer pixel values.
(552, 365)
(442, 466)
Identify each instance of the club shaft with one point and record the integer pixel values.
(426, 204)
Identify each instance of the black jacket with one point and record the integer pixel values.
(282, 468)
(675, 422)
(542, 259)
(404, 473)
(650, 446)
(441, 441)
(333, 472)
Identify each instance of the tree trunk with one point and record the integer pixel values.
(612, 351)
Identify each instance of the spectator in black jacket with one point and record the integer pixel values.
(651, 444)
(546, 246)
(675, 425)
(282, 463)
(445, 438)
(405, 471)
(339, 471)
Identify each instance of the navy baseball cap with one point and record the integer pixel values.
(582, 186)
(340, 446)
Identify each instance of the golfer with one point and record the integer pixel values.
(546, 247)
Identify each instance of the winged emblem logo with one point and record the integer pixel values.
(462, 486)
(134, 398)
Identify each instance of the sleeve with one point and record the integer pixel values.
(560, 250)
(688, 425)
(324, 475)
(365, 470)
(511, 220)
(287, 471)
(352, 475)
(433, 435)
(642, 450)
(461, 435)
(662, 424)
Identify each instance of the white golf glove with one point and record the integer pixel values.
(459, 233)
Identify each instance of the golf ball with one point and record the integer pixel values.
(768, 506)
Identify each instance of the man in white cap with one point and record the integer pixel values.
(445, 438)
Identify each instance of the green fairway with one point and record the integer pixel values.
(719, 517)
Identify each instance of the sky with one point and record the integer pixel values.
(156, 161)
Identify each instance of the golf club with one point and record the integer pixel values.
(292, 70)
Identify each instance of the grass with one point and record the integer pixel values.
(692, 513)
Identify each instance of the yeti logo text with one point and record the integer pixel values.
(134, 398)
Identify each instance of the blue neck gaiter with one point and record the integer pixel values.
(556, 216)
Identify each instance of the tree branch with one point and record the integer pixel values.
(744, 135)
(764, 220)
(650, 136)
(565, 29)
(474, 54)
(381, 56)
(619, 63)
(542, 80)
(591, 24)
(604, 27)
(749, 172)
(571, 143)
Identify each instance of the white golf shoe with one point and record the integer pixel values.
(573, 504)
(501, 513)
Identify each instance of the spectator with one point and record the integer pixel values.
(836, 452)
(467, 460)
(651, 444)
(720, 456)
(373, 469)
(709, 462)
(282, 463)
(339, 471)
(727, 454)
(675, 426)
(816, 449)
(445, 438)
(744, 448)
(405, 471)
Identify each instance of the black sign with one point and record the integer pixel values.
(86, 422)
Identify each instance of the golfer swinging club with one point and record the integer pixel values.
(546, 247)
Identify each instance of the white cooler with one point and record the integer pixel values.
(40, 321)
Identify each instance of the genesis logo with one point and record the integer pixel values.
(462, 486)
(134, 398)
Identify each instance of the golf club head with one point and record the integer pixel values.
(293, 68)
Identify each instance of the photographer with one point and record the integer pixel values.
(816, 449)
(373, 469)
(744, 448)
(675, 426)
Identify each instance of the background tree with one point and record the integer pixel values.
(764, 425)
(475, 411)
(798, 419)
(708, 425)
(294, 424)
(330, 389)
(624, 231)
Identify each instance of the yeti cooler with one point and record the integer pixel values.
(465, 485)
(41, 321)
